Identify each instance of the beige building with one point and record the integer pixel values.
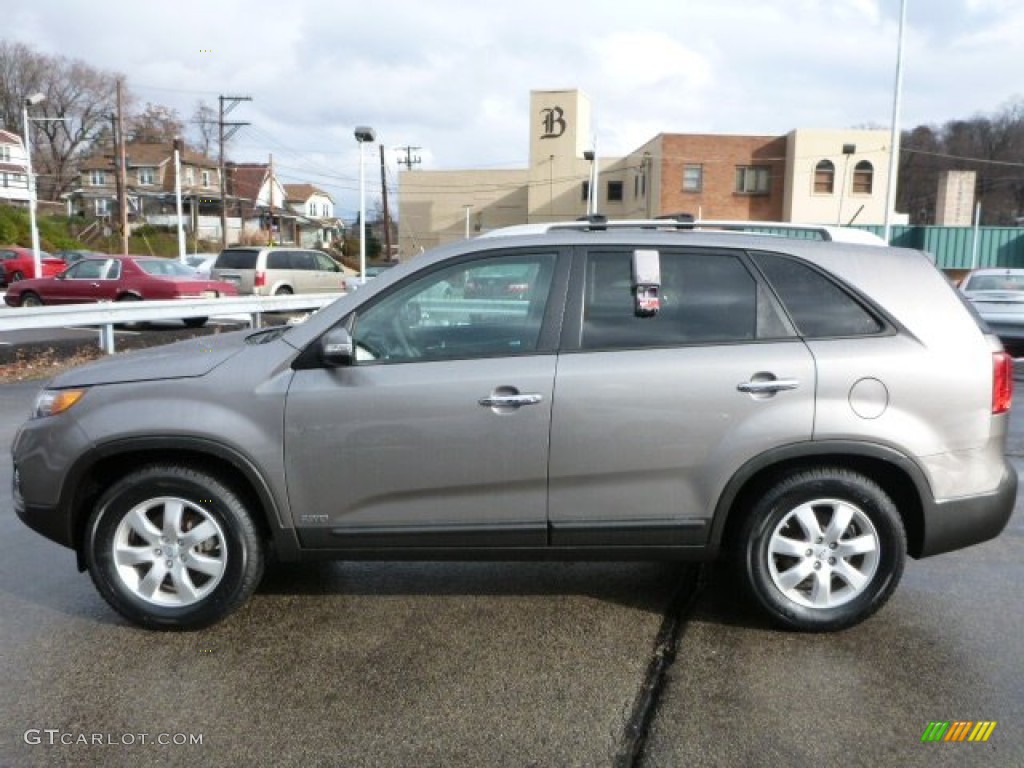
(807, 176)
(836, 177)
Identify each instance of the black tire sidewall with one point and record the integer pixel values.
(244, 553)
(779, 502)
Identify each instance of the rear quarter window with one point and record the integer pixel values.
(817, 305)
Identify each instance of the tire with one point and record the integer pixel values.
(822, 549)
(17, 275)
(142, 523)
(195, 322)
(30, 299)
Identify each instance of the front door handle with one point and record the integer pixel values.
(767, 386)
(511, 401)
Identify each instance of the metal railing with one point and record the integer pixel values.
(105, 315)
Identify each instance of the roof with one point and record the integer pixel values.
(246, 179)
(7, 137)
(302, 192)
(142, 154)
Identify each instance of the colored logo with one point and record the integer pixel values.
(958, 730)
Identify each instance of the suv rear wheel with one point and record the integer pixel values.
(823, 549)
(170, 547)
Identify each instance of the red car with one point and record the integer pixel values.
(17, 263)
(119, 278)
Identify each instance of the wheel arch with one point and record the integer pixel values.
(131, 295)
(102, 466)
(901, 479)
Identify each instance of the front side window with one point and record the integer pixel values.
(693, 178)
(102, 207)
(485, 308)
(325, 263)
(5, 154)
(753, 179)
(206, 178)
(88, 269)
(824, 177)
(614, 191)
(97, 178)
(706, 297)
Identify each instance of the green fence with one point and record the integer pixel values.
(953, 247)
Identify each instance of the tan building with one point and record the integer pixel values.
(808, 176)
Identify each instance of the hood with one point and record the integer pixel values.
(180, 360)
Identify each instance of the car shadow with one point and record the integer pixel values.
(646, 586)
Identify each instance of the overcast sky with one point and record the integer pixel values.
(454, 77)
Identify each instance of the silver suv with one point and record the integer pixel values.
(815, 411)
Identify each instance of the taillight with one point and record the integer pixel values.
(260, 280)
(1002, 382)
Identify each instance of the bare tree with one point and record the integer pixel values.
(204, 127)
(79, 95)
(156, 124)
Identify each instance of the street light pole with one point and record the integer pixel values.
(31, 101)
(894, 138)
(364, 134)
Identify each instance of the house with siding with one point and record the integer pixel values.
(13, 169)
(150, 187)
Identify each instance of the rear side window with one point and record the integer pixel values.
(280, 260)
(705, 298)
(241, 258)
(818, 306)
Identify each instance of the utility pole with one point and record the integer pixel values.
(272, 200)
(233, 101)
(384, 197)
(409, 160)
(122, 178)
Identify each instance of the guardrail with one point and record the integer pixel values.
(105, 315)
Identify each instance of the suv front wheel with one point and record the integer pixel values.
(170, 547)
(823, 549)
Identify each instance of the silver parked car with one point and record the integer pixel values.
(998, 296)
(813, 411)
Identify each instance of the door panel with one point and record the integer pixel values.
(405, 455)
(643, 441)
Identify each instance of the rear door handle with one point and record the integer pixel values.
(511, 401)
(768, 386)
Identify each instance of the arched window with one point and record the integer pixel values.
(863, 177)
(824, 177)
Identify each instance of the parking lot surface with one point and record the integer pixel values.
(387, 664)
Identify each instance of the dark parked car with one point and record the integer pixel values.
(70, 257)
(815, 412)
(17, 263)
(119, 278)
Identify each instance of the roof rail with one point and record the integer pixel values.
(686, 221)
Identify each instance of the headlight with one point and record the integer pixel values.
(50, 402)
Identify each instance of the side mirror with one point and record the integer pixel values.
(336, 348)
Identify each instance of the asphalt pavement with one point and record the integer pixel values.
(497, 664)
